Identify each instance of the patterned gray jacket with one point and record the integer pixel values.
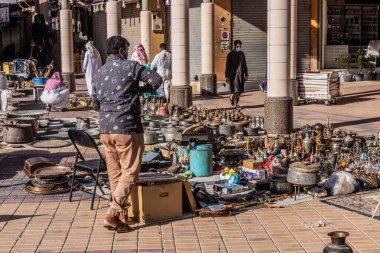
(116, 95)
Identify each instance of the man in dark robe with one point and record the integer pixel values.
(236, 72)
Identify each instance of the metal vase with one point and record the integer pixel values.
(338, 243)
(307, 143)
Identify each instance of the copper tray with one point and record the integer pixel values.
(52, 171)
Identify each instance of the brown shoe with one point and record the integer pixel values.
(111, 220)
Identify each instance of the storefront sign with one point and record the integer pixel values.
(4, 15)
(225, 45)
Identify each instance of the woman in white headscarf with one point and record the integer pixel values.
(91, 64)
(139, 55)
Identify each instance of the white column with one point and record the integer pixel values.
(67, 57)
(208, 77)
(207, 37)
(113, 18)
(146, 26)
(278, 48)
(181, 92)
(278, 105)
(293, 39)
(180, 42)
(293, 52)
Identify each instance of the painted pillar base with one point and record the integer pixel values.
(278, 115)
(181, 96)
(70, 78)
(294, 91)
(208, 84)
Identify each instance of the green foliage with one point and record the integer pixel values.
(361, 61)
(344, 61)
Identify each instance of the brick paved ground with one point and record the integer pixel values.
(30, 223)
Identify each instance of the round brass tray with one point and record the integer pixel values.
(29, 187)
(52, 171)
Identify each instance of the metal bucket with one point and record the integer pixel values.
(150, 137)
(227, 130)
(301, 174)
(201, 160)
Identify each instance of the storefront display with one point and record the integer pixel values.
(354, 25)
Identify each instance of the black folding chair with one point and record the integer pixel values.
(80, 138)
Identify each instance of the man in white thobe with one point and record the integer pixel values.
(91, 64)
(163, 63)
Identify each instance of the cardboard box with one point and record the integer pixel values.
(156, 202)
(252, 164)
(253, 174)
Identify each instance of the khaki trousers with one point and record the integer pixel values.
(123, 157)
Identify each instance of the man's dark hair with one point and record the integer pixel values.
(114, 43)
(163, 46)
(237, 42)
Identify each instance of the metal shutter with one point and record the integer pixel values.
(100, 33)
(250, 26)
(130, 26)
(303, 35)
(195, 38)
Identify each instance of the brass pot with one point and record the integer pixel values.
(18, 133)
(239, 126)
(24, 120)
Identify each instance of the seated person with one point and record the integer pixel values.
(56, 94)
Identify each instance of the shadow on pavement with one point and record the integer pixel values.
(362, 93)
(356, 122)
(12, 162)
(16, 217)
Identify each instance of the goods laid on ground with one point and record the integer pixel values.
(246, 166)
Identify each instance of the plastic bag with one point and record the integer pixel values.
(341, 183)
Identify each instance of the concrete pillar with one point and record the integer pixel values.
(180, 93)
(208, 77)
(293, 52)
(278, 104)
(113, 10)
(67, 57)
(146, 26)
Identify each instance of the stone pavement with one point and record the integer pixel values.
(50, 223)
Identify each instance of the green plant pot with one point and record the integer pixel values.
(347, 77)
(372, 76)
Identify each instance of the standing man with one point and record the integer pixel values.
(116, 97)
(236, 72)
(163, 63)
(91, 64)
